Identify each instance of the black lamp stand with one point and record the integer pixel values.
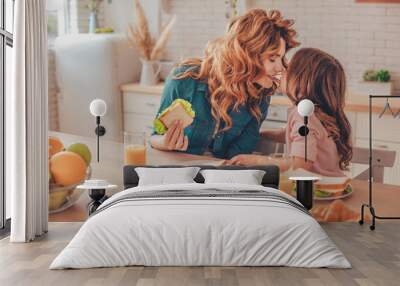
(303, 131)
(305, 188)
(100, 131)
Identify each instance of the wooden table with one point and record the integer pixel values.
(386, 197)
(110, 168)
(386, 202)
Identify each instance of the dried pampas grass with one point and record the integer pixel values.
(162, 41)
(139, 36)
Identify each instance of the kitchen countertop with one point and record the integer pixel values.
(354, 102)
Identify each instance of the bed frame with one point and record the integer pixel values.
(270, 179)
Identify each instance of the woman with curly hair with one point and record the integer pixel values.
(230, 87)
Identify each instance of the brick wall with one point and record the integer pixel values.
(361, 36)
(197, 22)
(53, 90)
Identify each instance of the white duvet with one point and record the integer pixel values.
(200, 231)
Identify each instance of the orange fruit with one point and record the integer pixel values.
(67, 168)
(55, 145)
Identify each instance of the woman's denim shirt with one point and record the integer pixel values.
(241, 138)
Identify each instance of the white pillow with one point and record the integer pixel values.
(165, 176)
(248, 177)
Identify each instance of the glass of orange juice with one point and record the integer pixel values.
(135, 148)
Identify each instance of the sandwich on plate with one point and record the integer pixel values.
(332, 187)
(327, 188)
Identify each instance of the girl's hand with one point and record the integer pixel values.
(175, 138)
(248, 160)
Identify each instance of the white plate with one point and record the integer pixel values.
(329, 198)
(334, 198)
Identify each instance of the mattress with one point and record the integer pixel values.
(201, 225)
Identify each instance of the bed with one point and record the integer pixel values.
(198, 224)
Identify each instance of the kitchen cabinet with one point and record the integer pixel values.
(140, 106)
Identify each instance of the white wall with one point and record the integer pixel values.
(197, 23)
(119, 13)
(361, 36)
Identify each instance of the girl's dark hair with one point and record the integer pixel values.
(319, 77)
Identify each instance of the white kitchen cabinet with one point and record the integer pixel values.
(138, 123)
(140, 106)
(141, 103)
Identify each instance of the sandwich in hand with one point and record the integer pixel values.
(179, 110)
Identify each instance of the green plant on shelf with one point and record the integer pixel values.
(381, 75)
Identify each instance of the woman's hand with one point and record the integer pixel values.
(248, 160)
(173, 140)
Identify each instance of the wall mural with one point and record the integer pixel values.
(239, 103)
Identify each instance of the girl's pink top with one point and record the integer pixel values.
(321, 149)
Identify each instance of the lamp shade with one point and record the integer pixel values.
(305, 107)
(98, 107)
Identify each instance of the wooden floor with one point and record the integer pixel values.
(375, 257)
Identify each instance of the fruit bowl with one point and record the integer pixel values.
(62, 197)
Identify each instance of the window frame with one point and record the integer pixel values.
(6, 39)
(62, 8)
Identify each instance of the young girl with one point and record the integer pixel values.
(319, 77)
(229, 88)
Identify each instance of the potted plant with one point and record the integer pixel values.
(376, 82)
(150, 50)
(93, 6)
